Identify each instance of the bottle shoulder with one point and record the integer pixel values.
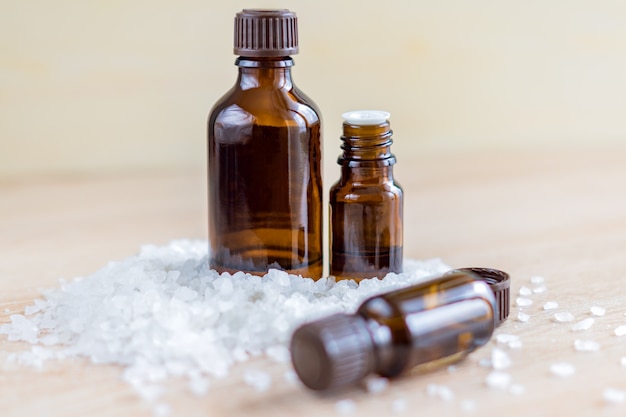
(265, 106)
(387, 191)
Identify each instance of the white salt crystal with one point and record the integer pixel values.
(505, 338)
(345, 406)
(583, 324)
(500, 359)
(440, 391)
(586, 345)
(290, 377)
(597, 311)
(614, 396)
(523, 317)
(622, 361)
(517, 389)
(540, 289)
(376, 385)
(523, 301)
(563, 317)
(498, 380)
(162, 410)
(525, 292)
(257, 379)
(551, 305)
(468, 406)
(399, 405)
(562, 369)
(278, 353)
(537, 280)
(620, 330)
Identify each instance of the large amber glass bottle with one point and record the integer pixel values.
(264, 157)
(366, 204)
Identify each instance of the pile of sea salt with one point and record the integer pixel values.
(164, 313)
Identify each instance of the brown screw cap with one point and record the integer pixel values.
(332, 352)
(266, 33)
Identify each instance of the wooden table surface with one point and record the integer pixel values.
(556, 214)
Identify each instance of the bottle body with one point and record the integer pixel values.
(264, 170)
(366, 206)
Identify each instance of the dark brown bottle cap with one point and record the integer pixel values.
(266, 33)
(500, 283)
(332, 352)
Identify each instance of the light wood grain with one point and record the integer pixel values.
(561, 215)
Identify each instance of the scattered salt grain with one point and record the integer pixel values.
(537, 280)
(290, 377)
(622, 361)
(523, 301)
(468, 406)
(498, 380)
(162, 410)
(523, 317)
(399, 405)
(586, 345)
(562, 369)
(525, 292)
(620, 330)
(583, 325)
(614, 396)
(346, 406)
(376, 385)
(563, 317)
(500, 359)
(597, 311)
(551, 305)
(257, 379)
(517, 389)
(440, 391)
(540, 289)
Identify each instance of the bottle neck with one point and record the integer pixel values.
(274, 72)
(367, 153)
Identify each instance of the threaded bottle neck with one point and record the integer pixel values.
(366, 145)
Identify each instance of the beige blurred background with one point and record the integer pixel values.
(90, 87)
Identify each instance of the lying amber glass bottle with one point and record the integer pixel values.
(433, 322)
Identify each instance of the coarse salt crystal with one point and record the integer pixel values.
(517, 389)
(551, 305)
(586, 345)
(440, 391)
(500, 359)
(537, 280)
(525, 292)
(562, 369)
(523, 301)
(622, 361)
(376, 385)
(498, 380)
(523, 317)
(346, 406)
(597, 311)
(620, 330)
(257, 379)
(614, 396)
(540, 289)
(399, 405)
(563, 317)
(510, 340)
(583, 325)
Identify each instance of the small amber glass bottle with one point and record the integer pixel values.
(366, 203)
(264, 157)
(435, 322)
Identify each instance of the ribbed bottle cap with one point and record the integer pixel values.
(332, 352)
(500, 283)
(266, 33)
